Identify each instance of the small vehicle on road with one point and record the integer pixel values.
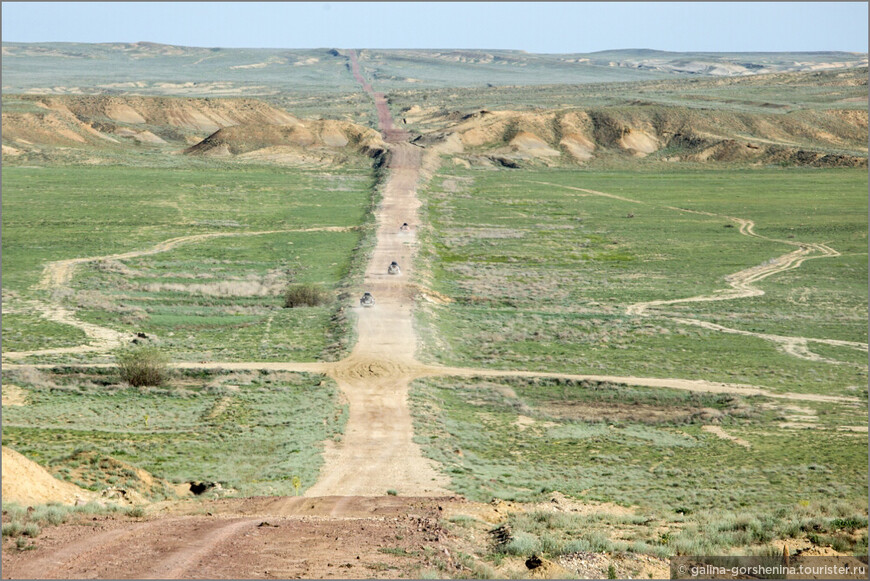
(394, 268)
(367, 300)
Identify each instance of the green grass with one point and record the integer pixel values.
(196, 295)
(252, 432)
(19, 521)
(541, 275)
(27, 332)
(645, 449)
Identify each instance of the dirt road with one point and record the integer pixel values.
(377, 452)
(332, 537)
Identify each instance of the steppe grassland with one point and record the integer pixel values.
(252, 432)
(541, 275)
(198, 291)
(760, 94)
(684, 490)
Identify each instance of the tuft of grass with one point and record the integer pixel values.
(305, 295)
(12, 529)
(143, 366)
(522, 544)
(136, 512)
(392, 492)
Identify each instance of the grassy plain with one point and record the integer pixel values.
(688, 491)
(195, 293)
(541, 274)
(252, 432)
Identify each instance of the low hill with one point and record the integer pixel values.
(312, 141)
(51, 125)
(835, 137)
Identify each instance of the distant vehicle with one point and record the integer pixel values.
(394, 268)
(367, 300)
(404, 227)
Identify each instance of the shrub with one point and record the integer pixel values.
(522, 545)
(143, 366)
(136, 512)
(305, 295)
(50, 514)
(12, 529)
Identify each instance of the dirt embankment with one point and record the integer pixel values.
(247, 128)
(310, 140)
(26, 482)
(670, 134)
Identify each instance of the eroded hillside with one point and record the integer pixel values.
(830, 138)
(60, 127)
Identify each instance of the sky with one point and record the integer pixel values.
(542, 27)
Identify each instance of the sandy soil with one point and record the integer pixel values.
(720, 433)
(26, 482)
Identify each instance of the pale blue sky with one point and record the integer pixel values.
(532, 26)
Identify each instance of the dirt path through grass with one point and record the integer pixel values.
(377, 452)
(742, 285)
(57, 275)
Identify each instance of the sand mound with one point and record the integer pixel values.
(26, 482)
(578, 146)
(640, 143)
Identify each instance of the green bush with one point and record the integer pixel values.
(12, 529)
(31, 530)
(143, 366)
(305, 295)
(522, 545)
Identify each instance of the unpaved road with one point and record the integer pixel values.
(377, 451)
(260, 538)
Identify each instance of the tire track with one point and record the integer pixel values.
(58, 274)
(742, 285)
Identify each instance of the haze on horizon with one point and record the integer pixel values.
(545, 27)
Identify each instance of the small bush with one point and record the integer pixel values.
(136, 512)
(31, 530)
(12, 529)
(305, 295)
(392, 492)
(143, 366)
(50, 514)
(521, 545)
